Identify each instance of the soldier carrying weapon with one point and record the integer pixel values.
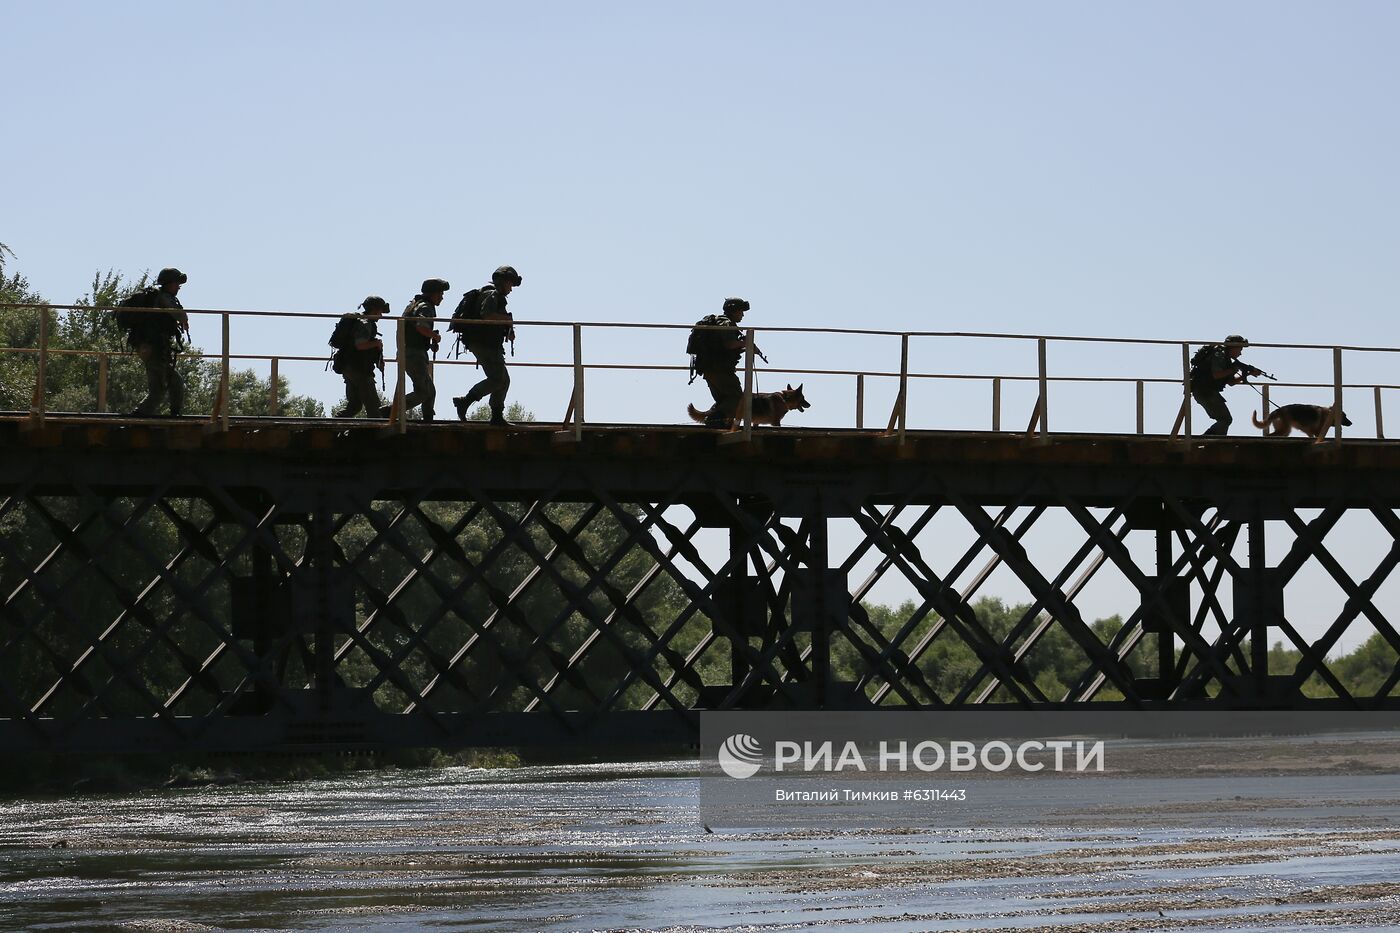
(1213, 367)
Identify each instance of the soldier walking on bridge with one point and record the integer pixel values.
(420, 336)
(155, 336)
(716, 345)
(359, 351)
(1215, 366)
(487, 342)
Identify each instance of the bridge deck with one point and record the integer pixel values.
(685, 442)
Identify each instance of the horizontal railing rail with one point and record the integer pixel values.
(574, 420)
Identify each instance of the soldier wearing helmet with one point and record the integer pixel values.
(717, 354)
(420, 337)
(488, 343)
(361, 352)
(1214, 367)
(155, 338)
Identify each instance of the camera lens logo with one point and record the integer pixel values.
(740, 756)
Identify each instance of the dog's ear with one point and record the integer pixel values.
(789, 386)
(799, 387)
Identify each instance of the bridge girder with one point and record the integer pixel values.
(291, 586)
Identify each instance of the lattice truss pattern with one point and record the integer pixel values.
(196, 601)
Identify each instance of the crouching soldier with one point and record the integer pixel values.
(359, 351)
(1214, 367)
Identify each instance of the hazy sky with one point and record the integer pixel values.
(1149, 169)
(1171, 170)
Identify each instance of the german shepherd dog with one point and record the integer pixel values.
(1313, 420)
(768, 407)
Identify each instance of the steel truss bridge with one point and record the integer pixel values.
(279, 584)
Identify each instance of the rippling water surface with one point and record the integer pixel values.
(620, 847)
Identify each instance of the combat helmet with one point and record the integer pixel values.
(506, 275)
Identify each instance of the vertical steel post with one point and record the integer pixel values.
(1264, 400)
(818, 558)
(272, 399)
(1186, 389)
(223, 378)
(1380, 422)
(1259, 624)
(578, 382)
(996, 403)
(903, 384)
(41, 387)
(860, 401)
(1337, 393)
(734, 605)
(402, 426)
(1140, 424)
(102, 382)
(1044, 393)
(747, 408)
(319, 545)
(1166, 643)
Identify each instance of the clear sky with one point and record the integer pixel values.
(1149, 169)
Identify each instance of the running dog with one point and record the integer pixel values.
(768, 407)
(1313, 420)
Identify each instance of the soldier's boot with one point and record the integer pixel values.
(460, 403)
(498, 418)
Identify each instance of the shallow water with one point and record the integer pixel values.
(620, 847)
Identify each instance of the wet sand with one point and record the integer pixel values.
(621, 848)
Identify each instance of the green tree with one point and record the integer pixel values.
(79, 338)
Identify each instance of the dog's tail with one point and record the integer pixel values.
(696, 414)
(1257, 423)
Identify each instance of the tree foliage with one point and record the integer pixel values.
(77, 339)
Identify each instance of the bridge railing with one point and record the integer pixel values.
(897, 371)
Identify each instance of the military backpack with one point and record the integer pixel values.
(131, 322)
(342, 340)
(468, 309)
(706, 344)
(1200, 367)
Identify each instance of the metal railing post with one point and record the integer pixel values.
(996, 404)
(578, 381)
(402, 426)
(41, 400)
(102, 382)
(224, 378)
(748, 383)
(1380, 422)
(1186, 389)
(272, 401)
(1044, 392)
(1140, 424)
(1337, 393)
(903, 384)
(860, 401)
(1264, 400)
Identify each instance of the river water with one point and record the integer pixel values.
(621, 847)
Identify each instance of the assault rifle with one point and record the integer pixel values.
(1253, 371)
